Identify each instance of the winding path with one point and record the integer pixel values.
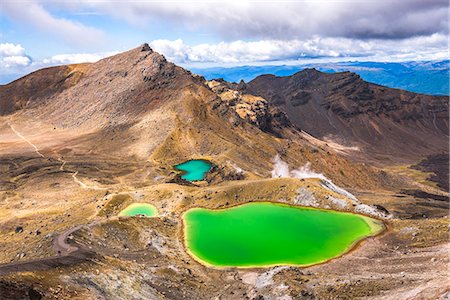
(75, 178)
(60, 244)
(66, 254)
(36, 149)
(26, 140)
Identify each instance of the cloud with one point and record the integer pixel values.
(250, 31)
(33, 15)
(9, 49)
(13, 55)
(14, 62)
(239, 52)
(64, 59)
(285, 20)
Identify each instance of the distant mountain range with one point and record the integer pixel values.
(425, 77)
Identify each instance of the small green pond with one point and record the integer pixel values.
(194, 170)
(265, 234)
(135, 209)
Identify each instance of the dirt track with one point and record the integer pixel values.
(66, 254)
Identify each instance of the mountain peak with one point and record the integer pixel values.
(145, 47)
(308, 74)
(310, 70)
(124, 86)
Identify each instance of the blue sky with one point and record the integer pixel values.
(40, 33)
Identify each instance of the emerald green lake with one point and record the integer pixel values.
(264, 234)
(135, 209)
(194, 170)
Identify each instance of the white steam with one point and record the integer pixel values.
(236, 168)
(281, 170)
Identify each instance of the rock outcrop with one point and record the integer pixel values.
(253, 109)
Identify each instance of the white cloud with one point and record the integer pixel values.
(15, 61)
(64, 59)
(12, 55)
(236, 52)
(252, 31)
(33, 15)
(9, 49)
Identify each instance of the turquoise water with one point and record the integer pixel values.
(194, 170)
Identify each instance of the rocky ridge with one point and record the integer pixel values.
(385, 123)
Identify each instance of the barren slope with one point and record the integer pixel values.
(388, 124)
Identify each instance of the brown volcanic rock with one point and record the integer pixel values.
(437, 164)
(253, 109)
(120, 86)
(344, 108)
(29, 89)
(117, 98)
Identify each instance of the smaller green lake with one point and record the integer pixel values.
(262, 234)
(194, 170)
(136, 209)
